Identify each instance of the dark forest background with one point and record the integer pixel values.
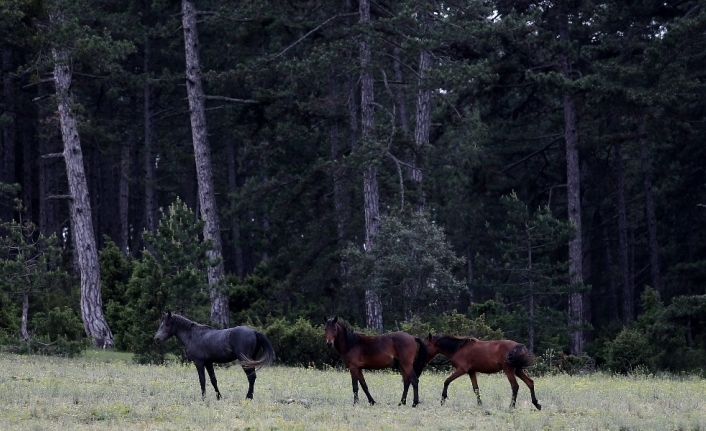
(534, 168)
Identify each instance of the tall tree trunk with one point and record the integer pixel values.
(400, 93)
(373, 304)
(204, 170)
(573, 191)
(94, 321)
(653, 246)
(530, 340)
(628, 291)
(24, 333)
(423, 124)
(124, 192)
(469, 273)
(9, 132)
(235, 222)
(612, 293)
(337, 177)
(149, 162)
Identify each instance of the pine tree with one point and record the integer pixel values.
(528, 270)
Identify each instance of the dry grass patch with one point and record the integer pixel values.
(53, 393)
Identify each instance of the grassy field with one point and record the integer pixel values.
(100, 391)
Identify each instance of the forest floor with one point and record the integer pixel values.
(109, 392)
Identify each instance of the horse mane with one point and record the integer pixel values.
(350, 335)
(452, 343)
(182, 322)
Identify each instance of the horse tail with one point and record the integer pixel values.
(268, 353)
(421, 359)
(520, 357)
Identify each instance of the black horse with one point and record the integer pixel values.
(206, 345)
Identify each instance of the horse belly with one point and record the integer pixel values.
(215, 348)
(370, 361)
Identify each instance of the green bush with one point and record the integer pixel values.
(299, 343)
(553, 362)
(628, 350)
(59, 333)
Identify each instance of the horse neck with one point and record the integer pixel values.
(184, 329)
(445, 349)
(341, 343)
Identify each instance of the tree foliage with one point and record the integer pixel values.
(281, 84)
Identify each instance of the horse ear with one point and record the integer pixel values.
(325, 319)
(169, 313)
(335, 319)
(430, 336)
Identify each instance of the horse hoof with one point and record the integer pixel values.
(539, 407)
(218, 396)
(415, 404)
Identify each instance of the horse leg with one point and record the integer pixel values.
(458, 372)
(212, 376)
(405, 385)
(474, 382)
(530, 384)
(415, 387)
(365, 387)
(202, 378)
(409, 376)
(510, 373)
(354, 382)
(250, 373)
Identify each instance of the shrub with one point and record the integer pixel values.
(298, 343)
(553, 362)
(58, 332)
(629, 349)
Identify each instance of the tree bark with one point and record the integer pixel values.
(124, 196)
(24, 333)
(612, 292)
(400, 93)
(235, 229)
(204, 171)
(9, 135)
(423, 124)
(530, 338)
(628, 290)
(149, 162)
(469, 274)
(94, 321)
(653, 246)
(573, 190)
(373, 304)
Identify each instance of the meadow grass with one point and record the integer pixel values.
(107, 391)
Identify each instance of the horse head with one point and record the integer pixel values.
(432, 348)
(331, 330)
(165, 329)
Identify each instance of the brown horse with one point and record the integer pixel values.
(375, 352)
(471, 355)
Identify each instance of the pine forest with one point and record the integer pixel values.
(528, 169)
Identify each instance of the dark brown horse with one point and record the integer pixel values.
(471, 355)
(375, 352)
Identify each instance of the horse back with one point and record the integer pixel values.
(381, 351)
(484, 356)
(222, 345)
